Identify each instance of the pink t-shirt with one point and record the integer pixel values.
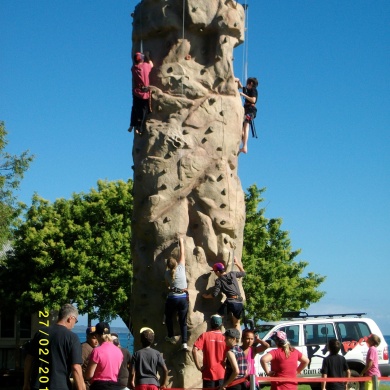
(250, 358)
(285, 368)
(140, 74)
(372, 355)
(108, 358)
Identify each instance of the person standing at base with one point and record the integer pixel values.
(227, 283)
(124, 372)
(146, 363)
(252, 345)
(177, 299)
(104, 362)
(213, 346)
(62, 351)
(371, 368)
(87, 347)
(286, 362)
(335, 366)
(236, 363)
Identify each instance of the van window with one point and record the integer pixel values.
(292, 333)
(318, 333)
(352, 331)
(262, 330)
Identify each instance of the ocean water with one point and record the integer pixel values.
(125, 338)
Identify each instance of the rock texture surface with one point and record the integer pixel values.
(185, 163)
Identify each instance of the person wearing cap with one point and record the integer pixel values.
(124, 372)
(227, 283)
(87, 347)
(177, 298)
(141, 93)
(285, 362)
(213, 346)
(104, 362)
(146, 363)
(236, 363)
(62, 350)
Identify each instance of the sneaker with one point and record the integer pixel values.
(184, 346)
(171, 340)
(130, 129)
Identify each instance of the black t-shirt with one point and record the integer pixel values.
(55, 349)
(248, 106)
(228, 284)
(335, 366)
(146, 362)
(123, 376)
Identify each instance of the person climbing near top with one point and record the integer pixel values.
(249, 93)
(141, 93)
(227, 283)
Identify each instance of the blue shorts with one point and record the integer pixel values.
(233, 306)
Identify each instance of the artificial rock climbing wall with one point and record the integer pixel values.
(185, 163)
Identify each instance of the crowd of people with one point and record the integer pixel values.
(56, 359)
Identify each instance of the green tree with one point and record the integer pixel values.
(12, 169)
(76, 251)
(274, 283)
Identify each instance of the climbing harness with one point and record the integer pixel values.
(253, 128)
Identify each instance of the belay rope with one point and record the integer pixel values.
(181, 185)
(246, 43)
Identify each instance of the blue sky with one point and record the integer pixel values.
(323, 121)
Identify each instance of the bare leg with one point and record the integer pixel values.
(245, 134)
(236, 323)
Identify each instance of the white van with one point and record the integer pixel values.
(311, 333)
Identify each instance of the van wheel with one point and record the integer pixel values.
(355, 385)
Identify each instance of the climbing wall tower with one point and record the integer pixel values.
(185, 162)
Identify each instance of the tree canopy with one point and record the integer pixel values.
(78, 251)
(12, 169)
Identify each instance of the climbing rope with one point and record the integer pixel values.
(182, 42)
(141, 27)
(245, 51)
(183, 17)
(180, 192)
